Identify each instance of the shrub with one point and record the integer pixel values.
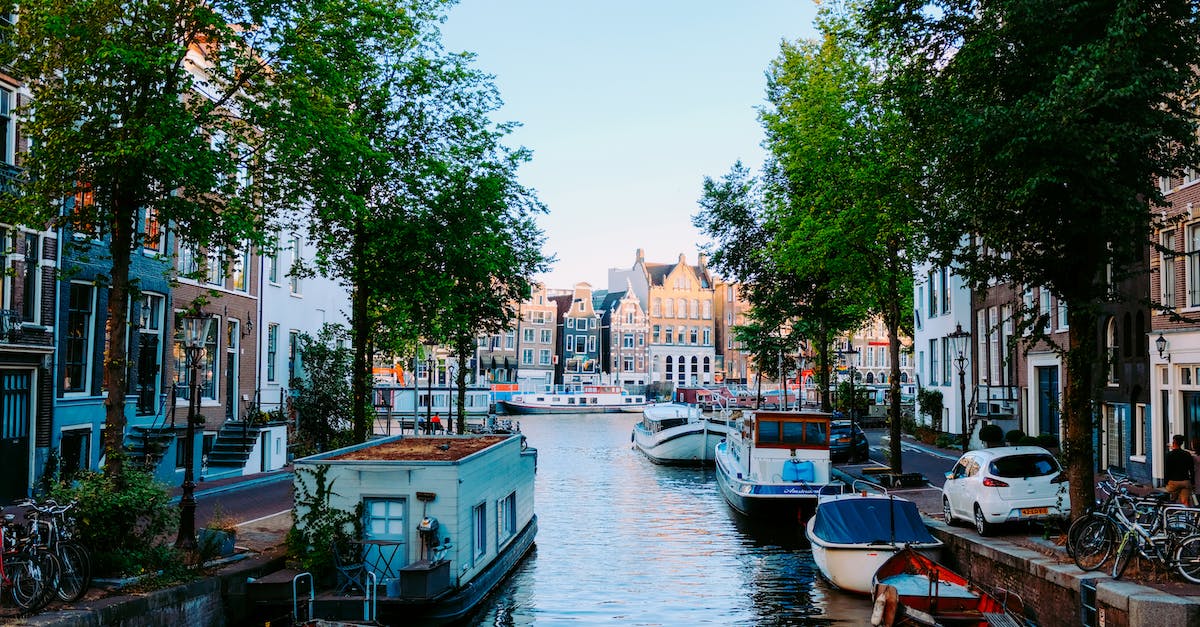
(991, 433)
(930, 401)
(1028, 440)
(123, 525)
(1014, 436)
(925, 435)
(1046, 440)
(948, 440)
(318, 526)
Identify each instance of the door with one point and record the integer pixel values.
(384, 544)
(231, 369)
(1047, 399)
(264, 445)
(16, 406)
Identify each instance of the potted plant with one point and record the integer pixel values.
(219, 534)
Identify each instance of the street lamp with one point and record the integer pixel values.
(196, 328)
(430, 362)
(958, 341)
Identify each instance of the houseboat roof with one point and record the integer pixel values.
(430, 449)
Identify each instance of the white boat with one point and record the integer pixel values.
(592, 399)
(775, 463)
(854, 533)
(675, 433)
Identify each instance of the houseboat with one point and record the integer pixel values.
(444, 520)
(397, 407)
(677, 434)
(589, 399)
(775, 464)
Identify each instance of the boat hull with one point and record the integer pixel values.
(690, 444)
(952, 600)
(852, 568)
(511, 407)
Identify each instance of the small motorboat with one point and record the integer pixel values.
(911, 589)
(676, 433)
(855, 532)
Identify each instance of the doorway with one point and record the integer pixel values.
(16, 407)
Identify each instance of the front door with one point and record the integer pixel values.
(385, 549)
(231, 369)
(16, 407)
(1047, 399)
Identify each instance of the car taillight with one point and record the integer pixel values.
(994, 483)
(1062, 478)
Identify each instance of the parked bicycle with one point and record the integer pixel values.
(52, 528)
(25, 571)
(1149, 526)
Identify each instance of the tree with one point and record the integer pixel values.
(324, 420)
(395, 134)
(845, 171)
(1046, 127)
(136, 118)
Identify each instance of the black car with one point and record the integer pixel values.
(839, 442)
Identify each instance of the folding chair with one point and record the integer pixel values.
(351, 571)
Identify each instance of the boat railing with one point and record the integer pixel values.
(863, 487)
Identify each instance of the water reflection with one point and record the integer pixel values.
(623, 540)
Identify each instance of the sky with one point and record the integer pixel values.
(627, 106)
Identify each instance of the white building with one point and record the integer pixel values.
(941, 305)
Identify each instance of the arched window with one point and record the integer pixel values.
(1112, 348)
(904, 377)
(668, 308)
(670, 366)
(870, 377)
(695, 308)
(683, 310)
(656, 308)
(706, 308)
(707, 367)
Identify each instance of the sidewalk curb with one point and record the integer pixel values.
(238, 485)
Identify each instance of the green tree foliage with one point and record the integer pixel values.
(137, 108)
(846, 182)
(403, 174)
(1045, 126)
(322, 403)
(319, 526)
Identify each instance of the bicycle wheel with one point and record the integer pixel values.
(1074, 530)
(45, 567)
(1124, 554)
(25, 587)
(1187, 558)
(1093, 542)
(74, 572)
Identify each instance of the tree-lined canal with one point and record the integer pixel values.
(622, 540)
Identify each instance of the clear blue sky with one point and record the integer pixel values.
(627, 105)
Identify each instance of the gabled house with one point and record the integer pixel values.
(578, 325)
(624, 334)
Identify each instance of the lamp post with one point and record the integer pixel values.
(196, 328)
(958, 340)
(430, 361)
(849, 352)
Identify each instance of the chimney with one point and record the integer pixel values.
(682, 259)
(641, 256)
(702, 261)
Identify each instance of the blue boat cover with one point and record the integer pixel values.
(868, 520)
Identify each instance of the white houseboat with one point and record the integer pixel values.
(775, 464)
(676, 433)
(591, 399)
(444, 518)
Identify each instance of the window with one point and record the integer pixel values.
(933, 294)
(479, 531)
(696, 308)
(214, 269)
(180, 452)
(75, 451)
(527, 335)
(208, 365)
(8, 129)
(506, 518)
(591, 343)
(693, 336)
(1044, 303)
(152, 233)
(189, 260)
(944, 283)
(241, 263)
(1137, 442)
(272, 349)
(683, 308)
(1111, 350)
(934, 372)
(669, 331)
(706, 311)
(544, 357)
(627, 340)
(78, 342)
(30, 283)
(656, 331)
(946, 357)
(993, 331)
(293, 355)
(294, 283)
(708, 337)
(1193, 265)
(729, 293)
(1166, 266)
(527, 356)
(570, 323)
(669, 308)
(149, 353)
(272, 263)
(1062, 314)
(641, 339)
(580, 344)
(1164, 184)
(628, 363)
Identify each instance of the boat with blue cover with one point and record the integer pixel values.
(855, 532)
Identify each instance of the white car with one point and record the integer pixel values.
(1005, 484)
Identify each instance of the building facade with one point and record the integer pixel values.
(941, 304)
(624, 339)
(578, 325)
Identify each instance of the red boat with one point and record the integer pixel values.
(911, 589)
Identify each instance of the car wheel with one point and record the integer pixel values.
(982, 526)
(946, 513)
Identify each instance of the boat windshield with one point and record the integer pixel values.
(793, 433)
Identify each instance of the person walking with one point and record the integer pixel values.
(1179, 471)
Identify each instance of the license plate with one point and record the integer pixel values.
(1035, 511)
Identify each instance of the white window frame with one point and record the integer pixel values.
(478, 532)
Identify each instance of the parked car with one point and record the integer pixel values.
(840, 448)
(1005, 484)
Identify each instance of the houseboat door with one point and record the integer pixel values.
(385, 546)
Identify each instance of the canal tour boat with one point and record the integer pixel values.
(592, 399)
(678, 434)
(775, 463)
(855, 532)
(444, 520)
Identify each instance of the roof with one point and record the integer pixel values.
(423, 449)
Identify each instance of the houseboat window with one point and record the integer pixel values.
(768, 431)
(506, 518)
(814, 434)
(479, 522)
(793, 433)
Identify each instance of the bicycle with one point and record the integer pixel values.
(1160, 533)
(1114, 484)
(52, 529)
(23, 572)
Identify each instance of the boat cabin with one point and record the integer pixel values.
(787, 446)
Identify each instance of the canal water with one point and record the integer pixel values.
(623, 541)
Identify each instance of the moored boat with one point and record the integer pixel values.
(775, 464)
(912, 589)
(855, 532)
(591, 399)
(675, 433)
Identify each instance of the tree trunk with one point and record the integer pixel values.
(1079, 374)
(823, 369)
(360, 324)
(461, 381)
(891, 320)
(116, 354)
